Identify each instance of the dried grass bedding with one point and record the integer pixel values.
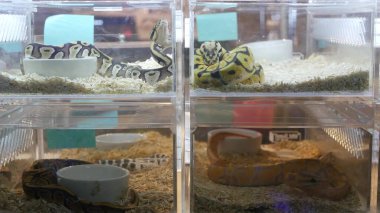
(153, 185)
(211, 197)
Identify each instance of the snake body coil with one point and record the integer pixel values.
(106, 65)
(214, 66)
(40, 181)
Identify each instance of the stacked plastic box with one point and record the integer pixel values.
(271, 109)
(269, 78)
(86, 80)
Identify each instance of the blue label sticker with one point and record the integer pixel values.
(11, 47)
(65, 28)
(217, 27)
(70, 138)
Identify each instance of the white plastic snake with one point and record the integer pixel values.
(106, 65)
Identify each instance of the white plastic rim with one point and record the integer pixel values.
(91, 172)
(70, 68)
(275, 50)
(95, 182)
(117, 138)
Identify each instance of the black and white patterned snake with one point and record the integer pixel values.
(106, 65)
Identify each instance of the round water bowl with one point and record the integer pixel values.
(230, 141)
(117, 140)
(275, 50)
(95, 182)
(70, 68)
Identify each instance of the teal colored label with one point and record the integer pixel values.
(65, 28)
(11, 47)
(71, 138)
(217, 27)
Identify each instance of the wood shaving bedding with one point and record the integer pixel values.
(318, 73)
(302, 149)
(13, 202)
(11, 82)
(210, 197)
(154, 143)
(154, 185)
(297, 70)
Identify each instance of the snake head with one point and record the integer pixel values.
(160, 33)
(212, 51)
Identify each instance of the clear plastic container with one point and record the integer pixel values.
(326, 169)
(304, 145)
(309, 103)
(46, 46)
(285, 48)
(301, 74)
(108, 81)
(30, 159)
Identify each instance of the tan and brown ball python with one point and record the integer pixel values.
(315, 177)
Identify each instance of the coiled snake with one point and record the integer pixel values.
(106, 65)
(214, 66)
(315, 177)
(40, 181)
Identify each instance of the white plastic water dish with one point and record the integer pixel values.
(275, 50)
(70, 68)
(95, 182)
(117, 140)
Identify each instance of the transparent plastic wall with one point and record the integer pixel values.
(282, 156)
(375, 157)
(92, 47)
(282, 47)
(330, 178)
(33, 165)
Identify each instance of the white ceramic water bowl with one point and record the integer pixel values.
(117, 140)
(70, 68)
(95, 182)
(241, 141)
(274, 50)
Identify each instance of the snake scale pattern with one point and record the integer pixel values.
(40, 181)
(214, 66)
(138, 163)
(106, 65)
(315, 177)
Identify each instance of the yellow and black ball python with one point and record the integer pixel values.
(40, 181)
(214, 66)
(106, 65)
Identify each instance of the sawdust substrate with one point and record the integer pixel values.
(212, 197)
(153, 185)
(302, 149)
(356, 81)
